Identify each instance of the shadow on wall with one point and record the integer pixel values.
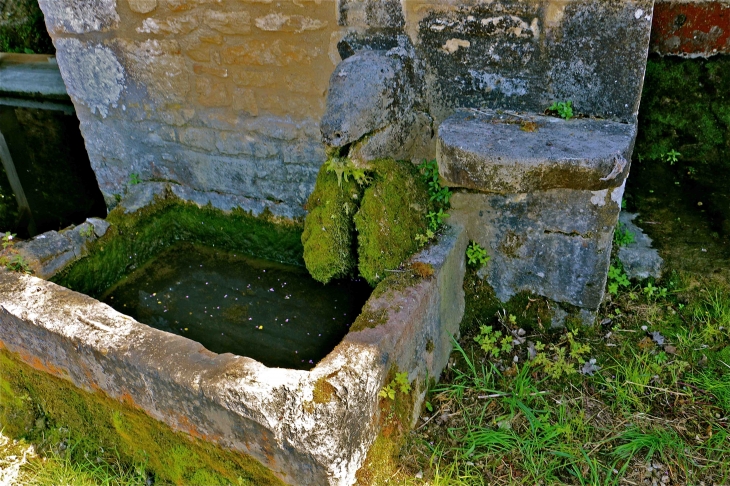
(52, 172)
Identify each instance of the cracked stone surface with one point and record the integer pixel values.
(554, 243)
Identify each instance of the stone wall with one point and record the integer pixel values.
(225, 96)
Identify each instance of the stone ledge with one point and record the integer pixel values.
(50, 252)
(494, 152)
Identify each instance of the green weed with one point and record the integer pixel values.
(564, 109)
(476, 255)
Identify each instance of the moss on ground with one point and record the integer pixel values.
(392, 213)
(59, 418)
(328, 236)
(133, 239)
(686, 107)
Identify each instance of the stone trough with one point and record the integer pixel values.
(309, 427)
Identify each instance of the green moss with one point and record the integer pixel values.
(323, 391)
(328, 229)
(49, 411)
(369, 319)
(391, 215)
(382, 464)
(134, 239)
(482, 306)
(686, 107)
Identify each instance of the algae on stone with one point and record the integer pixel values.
(133, 239)
(392, 213)
(329, 228)
(56, 416)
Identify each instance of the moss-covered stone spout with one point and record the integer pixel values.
(328, 229)
(387, 216)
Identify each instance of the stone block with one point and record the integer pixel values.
(100, 226)
(504, 153)
(525, 55)
(199, 138)
(367, 92)
(212, 93)
(47, 253)
(176, 25)
(80, 17)
(638, 258)
(555, 243)
(691, 28)
(142, 6)
(228, 22)
(93, 75)
(278, 22)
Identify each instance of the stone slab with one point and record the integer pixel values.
(638, 258)
(50, 252)
(269, 413)
(31, 76)
(493, 152)
(554, 243)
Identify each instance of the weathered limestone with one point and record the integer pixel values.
(525, 55)
(638, 258)
(549, 197)
(506, 153)
(49, 252)
(271, 414)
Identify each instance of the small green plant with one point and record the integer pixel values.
(134, 179)
(564, 109)
(476, 255)
(671, 157)
(423, 239)
(616, 278)
(436, 219)
(16, 264)
(87, 232)
(7, 240)
(623, 236)
(653, 292)
(344, 168)
(492, 342)
(399, 383)
(430, 174)
(556, 360)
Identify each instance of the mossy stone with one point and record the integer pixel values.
(49, 411)
(329, 229)
(392, 213)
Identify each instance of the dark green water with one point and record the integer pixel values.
(274, 313)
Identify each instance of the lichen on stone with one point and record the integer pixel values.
(329, 228)
(392, 213)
